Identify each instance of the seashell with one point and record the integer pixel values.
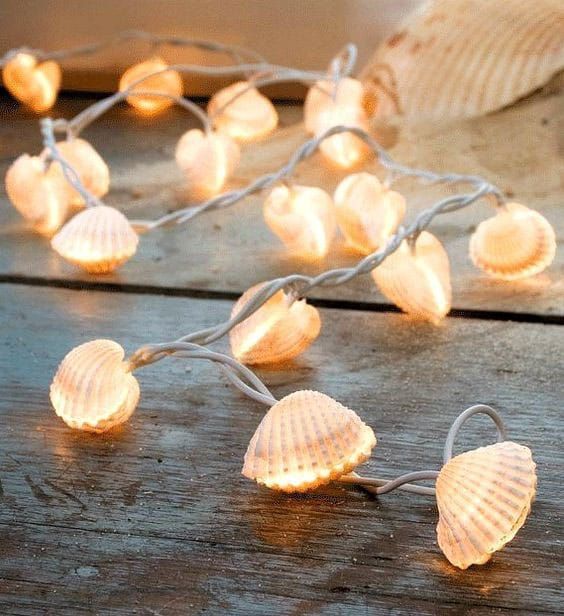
(368, 214)
(515, 243)
(93, 389)
(484, 497)
(207, 161)
(465, 58)
(168, 83)
(279, 330)
(32, 83)
(99, 239)
(248, 117)
(38, 197)
(303, 217)
(417, 279)
(306, 440)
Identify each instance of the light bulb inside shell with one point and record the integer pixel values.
(417, 278)
(515, 243)
(36, 84)
(93, 389)
(39, 198)
(278, 331)
(207, 160)
(484, 497)
(99, 239)
(248, 117)
(306, 440)
(303, 217)
(169, 82)
(368, 213)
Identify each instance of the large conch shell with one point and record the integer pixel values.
(303, 217)
(306, 440)
(207, 160)
(465, 58)
(515, 243)
(417, 279)
(484, 497)
(99, 239)
(93, 389)
(367, 212)
(278, 331)
(32, 83)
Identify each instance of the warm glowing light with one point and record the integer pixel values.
(207, 160)
(248, 117)
(169, 82)
(93, 389)
(99, 239)
(484, 497)
(307, 439)
(367, 212)
(515, 243)
(417, 279)
(279, 330)
(303, 217)
(34, 84)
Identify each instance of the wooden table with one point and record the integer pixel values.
(156, 518)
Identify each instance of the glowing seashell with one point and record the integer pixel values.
(464, 58)
(306, 440)
(248, 117)
(417, 279)
(93, 389)
(367, 212)
(32, 83)
(38, 197)
(515, 243)
(169, 83)
(484, 497)
(279, 330)
(207, 160)
(99, 239)
(303, 217)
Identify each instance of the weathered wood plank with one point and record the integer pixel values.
(157, 519)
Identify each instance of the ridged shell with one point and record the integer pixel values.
(99, 239)
(278, 331)
(515, 243)
(464, 58)
(249, 117)
(92, 389)
(367, 212)
(303, 217)
(417, 280)
(38, 197)
(168, 83)
(207, 160)
(32, 83)
(484, 497)
(306, 440)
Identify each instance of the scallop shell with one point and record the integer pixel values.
(515, 243)
(99, 239)
(484, 497)
(32, 83)
(93, 389)
(303, 217)
(306, 440)
(464, 58)
(278, 331)
(167, 83)
(368, 214)
(207, 160)
(248, 117)
(417, 280)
